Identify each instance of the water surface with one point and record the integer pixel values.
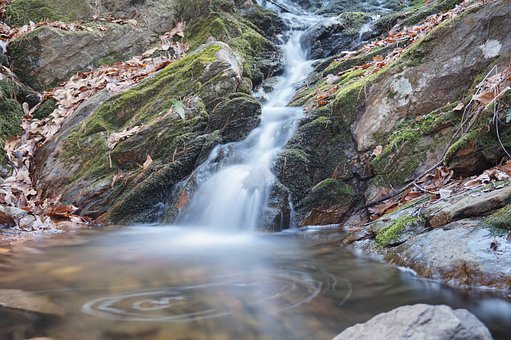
(188, 283)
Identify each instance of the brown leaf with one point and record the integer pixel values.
(182, 201)
(485, 97)
(148, 162)
(381, 209)
(116, 137)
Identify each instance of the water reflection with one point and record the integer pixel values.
(177, 283)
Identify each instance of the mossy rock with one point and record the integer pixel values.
(12, 95)
(261, 55)
(79, 162)
(392, 233)
(500, 219)
(10, 115)
(21, 12)
(328, 193)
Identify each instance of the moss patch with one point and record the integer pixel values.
(500, 219)
(20, 12)
(389, 234)
(242, 36)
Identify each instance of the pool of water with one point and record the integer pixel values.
(188, 283)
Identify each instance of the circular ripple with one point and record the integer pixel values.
(267, 291)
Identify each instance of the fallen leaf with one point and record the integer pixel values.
(459, 107)
(485, 97)
(377, 151)
(117, 137)
(148, 162)
(179, 108)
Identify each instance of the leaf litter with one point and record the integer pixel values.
(18, 190)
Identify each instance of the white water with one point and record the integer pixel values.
(235, 183)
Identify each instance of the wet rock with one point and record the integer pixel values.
(406, 108)
(19, 299)
(420, 86)
(111, 183)
(420, 322)
(277, 216)
(461, 253)
(335, 35)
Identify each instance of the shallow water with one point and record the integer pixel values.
(188, 283)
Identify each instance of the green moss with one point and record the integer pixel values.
(421, 12)
(500, 219)
(392, 232)
(45, 109)
(348, 99)
(241, 35)
(339, 66)
(464, 141)
(20, 12)
(10, 114)
(146, 104)
(353, 21)
(328, 193)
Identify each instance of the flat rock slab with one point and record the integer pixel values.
(463, 252)
(419, 322)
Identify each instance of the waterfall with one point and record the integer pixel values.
(234, 184)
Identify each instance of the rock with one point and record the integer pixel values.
(420, 322)
(335, 35)
(470, 205)
(76, 163)
(461, 253)
(48, 55)
(241, 29)
(407, 109)
(19, 299)
(156, 15)
(420, 85)
(277, 216)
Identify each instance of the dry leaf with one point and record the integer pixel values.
(148, 162)
(485, 97)
(459, 107)
(117, 137)
(377, 151)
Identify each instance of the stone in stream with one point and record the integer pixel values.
(22, 300)
(419, 322)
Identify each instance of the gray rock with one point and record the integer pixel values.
(422, 86)
(419, 322)
(468, 205)
(462, 253)
(49, 55)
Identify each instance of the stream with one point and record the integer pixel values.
(211, 275)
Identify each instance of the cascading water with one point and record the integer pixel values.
(235, 183)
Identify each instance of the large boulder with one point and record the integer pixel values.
(111, 182)
(405, 113)
(49, 55)
(420, 322)
(156, 15)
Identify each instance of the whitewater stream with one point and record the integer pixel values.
(211, 275)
